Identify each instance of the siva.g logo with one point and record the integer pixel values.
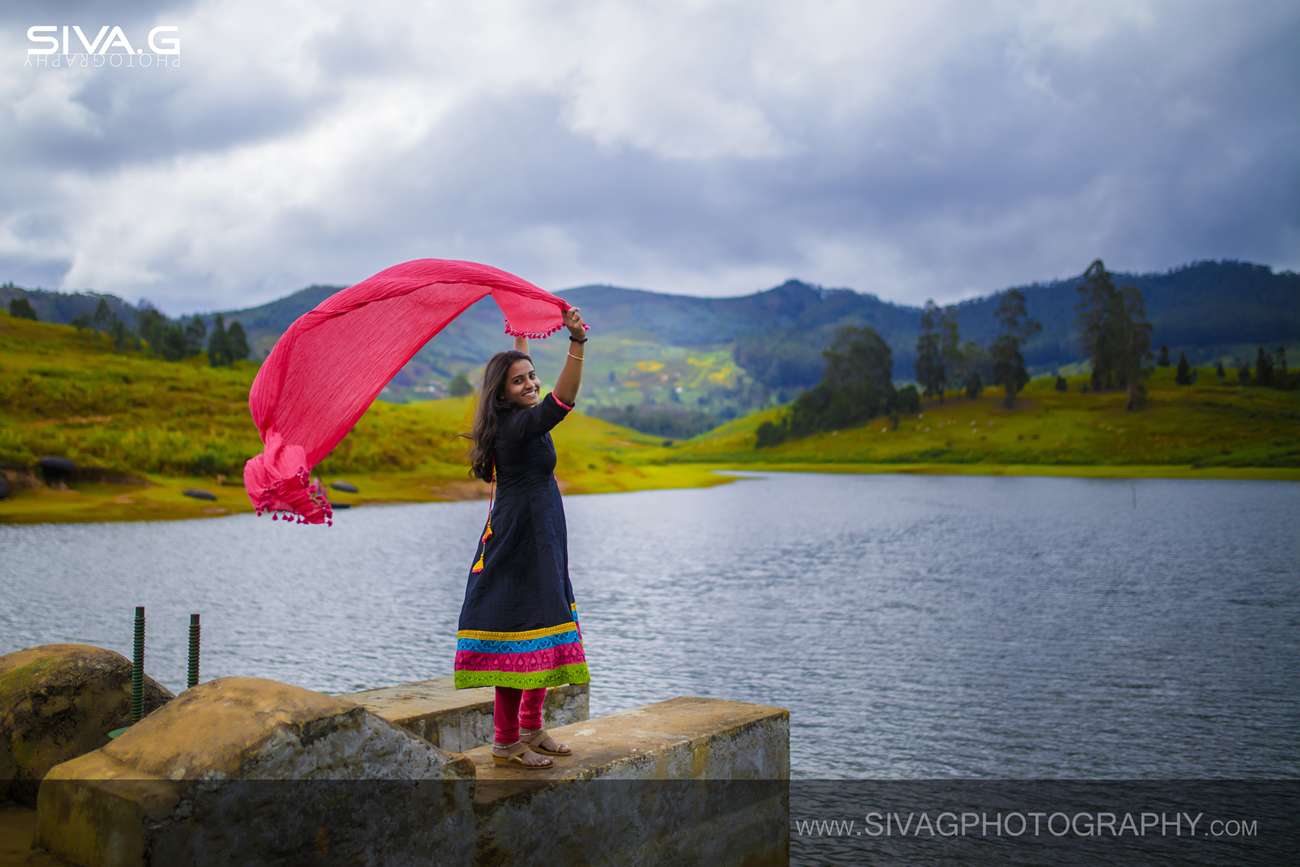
(69, 45)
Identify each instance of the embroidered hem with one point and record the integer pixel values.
(576, 673)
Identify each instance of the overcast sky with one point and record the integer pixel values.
(911, 149)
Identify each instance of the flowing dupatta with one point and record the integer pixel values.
(332, 362)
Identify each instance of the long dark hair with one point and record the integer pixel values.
(492, 404)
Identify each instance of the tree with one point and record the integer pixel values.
(977, 368)
(1263, 367)
(950, 347)
(460, 385)
(908, 399)
(1243, 374)
(1218, 369)
(929, 353)
(1116, 336)
(171, 341)
(1184, 375)
(1008, 363)
(21, 308)
(150, 324)
(1061, 384)
(1135, 347)
(1163, 360)
(194, 332)
(770, 433)
(236, 342)
(856, 384)
(103, 316)
(123, 339)
(1096, 311)
(1281, 361)
(218, 347)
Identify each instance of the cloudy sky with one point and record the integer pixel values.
(912, 149)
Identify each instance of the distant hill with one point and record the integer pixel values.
(679, 365)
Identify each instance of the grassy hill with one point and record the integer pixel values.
(1211, 424)
(185, 424)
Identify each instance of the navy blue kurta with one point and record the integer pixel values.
(519, 621)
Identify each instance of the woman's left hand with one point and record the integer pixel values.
(573, 319)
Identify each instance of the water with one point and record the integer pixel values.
(915, 626)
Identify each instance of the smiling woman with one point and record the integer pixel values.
(518, 627)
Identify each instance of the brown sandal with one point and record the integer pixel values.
(516, 757)
(535, 739)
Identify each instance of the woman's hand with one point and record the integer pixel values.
(573, 319)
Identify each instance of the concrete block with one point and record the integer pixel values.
(688, 780)
(250, 771)
(461, 719)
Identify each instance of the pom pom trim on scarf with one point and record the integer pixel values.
(540, 335)
(305, 501)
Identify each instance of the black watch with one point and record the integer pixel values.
(576, 340)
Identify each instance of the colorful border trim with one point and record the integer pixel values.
(488, 635)
(531, 680)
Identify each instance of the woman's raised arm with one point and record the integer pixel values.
(566, 385)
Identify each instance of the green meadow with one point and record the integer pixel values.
(172, 425)
(1202, 429)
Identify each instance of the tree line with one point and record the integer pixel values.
(171, 340)
(857, 384)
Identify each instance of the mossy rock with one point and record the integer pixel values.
(59, 701)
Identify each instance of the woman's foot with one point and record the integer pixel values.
(539, 740)
(519, 753)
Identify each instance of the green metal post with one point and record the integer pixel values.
(193, 679)
(137, 668)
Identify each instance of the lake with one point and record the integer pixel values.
(915, 626)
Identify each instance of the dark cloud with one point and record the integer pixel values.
(958, 152)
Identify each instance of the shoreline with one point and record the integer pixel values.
(162, 500)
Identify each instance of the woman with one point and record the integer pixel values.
(518, 626)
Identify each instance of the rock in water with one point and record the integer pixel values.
(55, 469)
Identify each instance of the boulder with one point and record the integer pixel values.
(199, 494)
(345, 487)
(56, 469)
(244, 770)
(58, 701)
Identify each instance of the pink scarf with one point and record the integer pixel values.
(332, 362)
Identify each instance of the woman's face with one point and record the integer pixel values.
(522, 385)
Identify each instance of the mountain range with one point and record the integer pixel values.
(678, 364)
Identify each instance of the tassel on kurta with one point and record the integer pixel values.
(487, 533)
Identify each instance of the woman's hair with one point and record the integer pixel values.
(492, 402)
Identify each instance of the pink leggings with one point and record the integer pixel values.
(514, 708)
